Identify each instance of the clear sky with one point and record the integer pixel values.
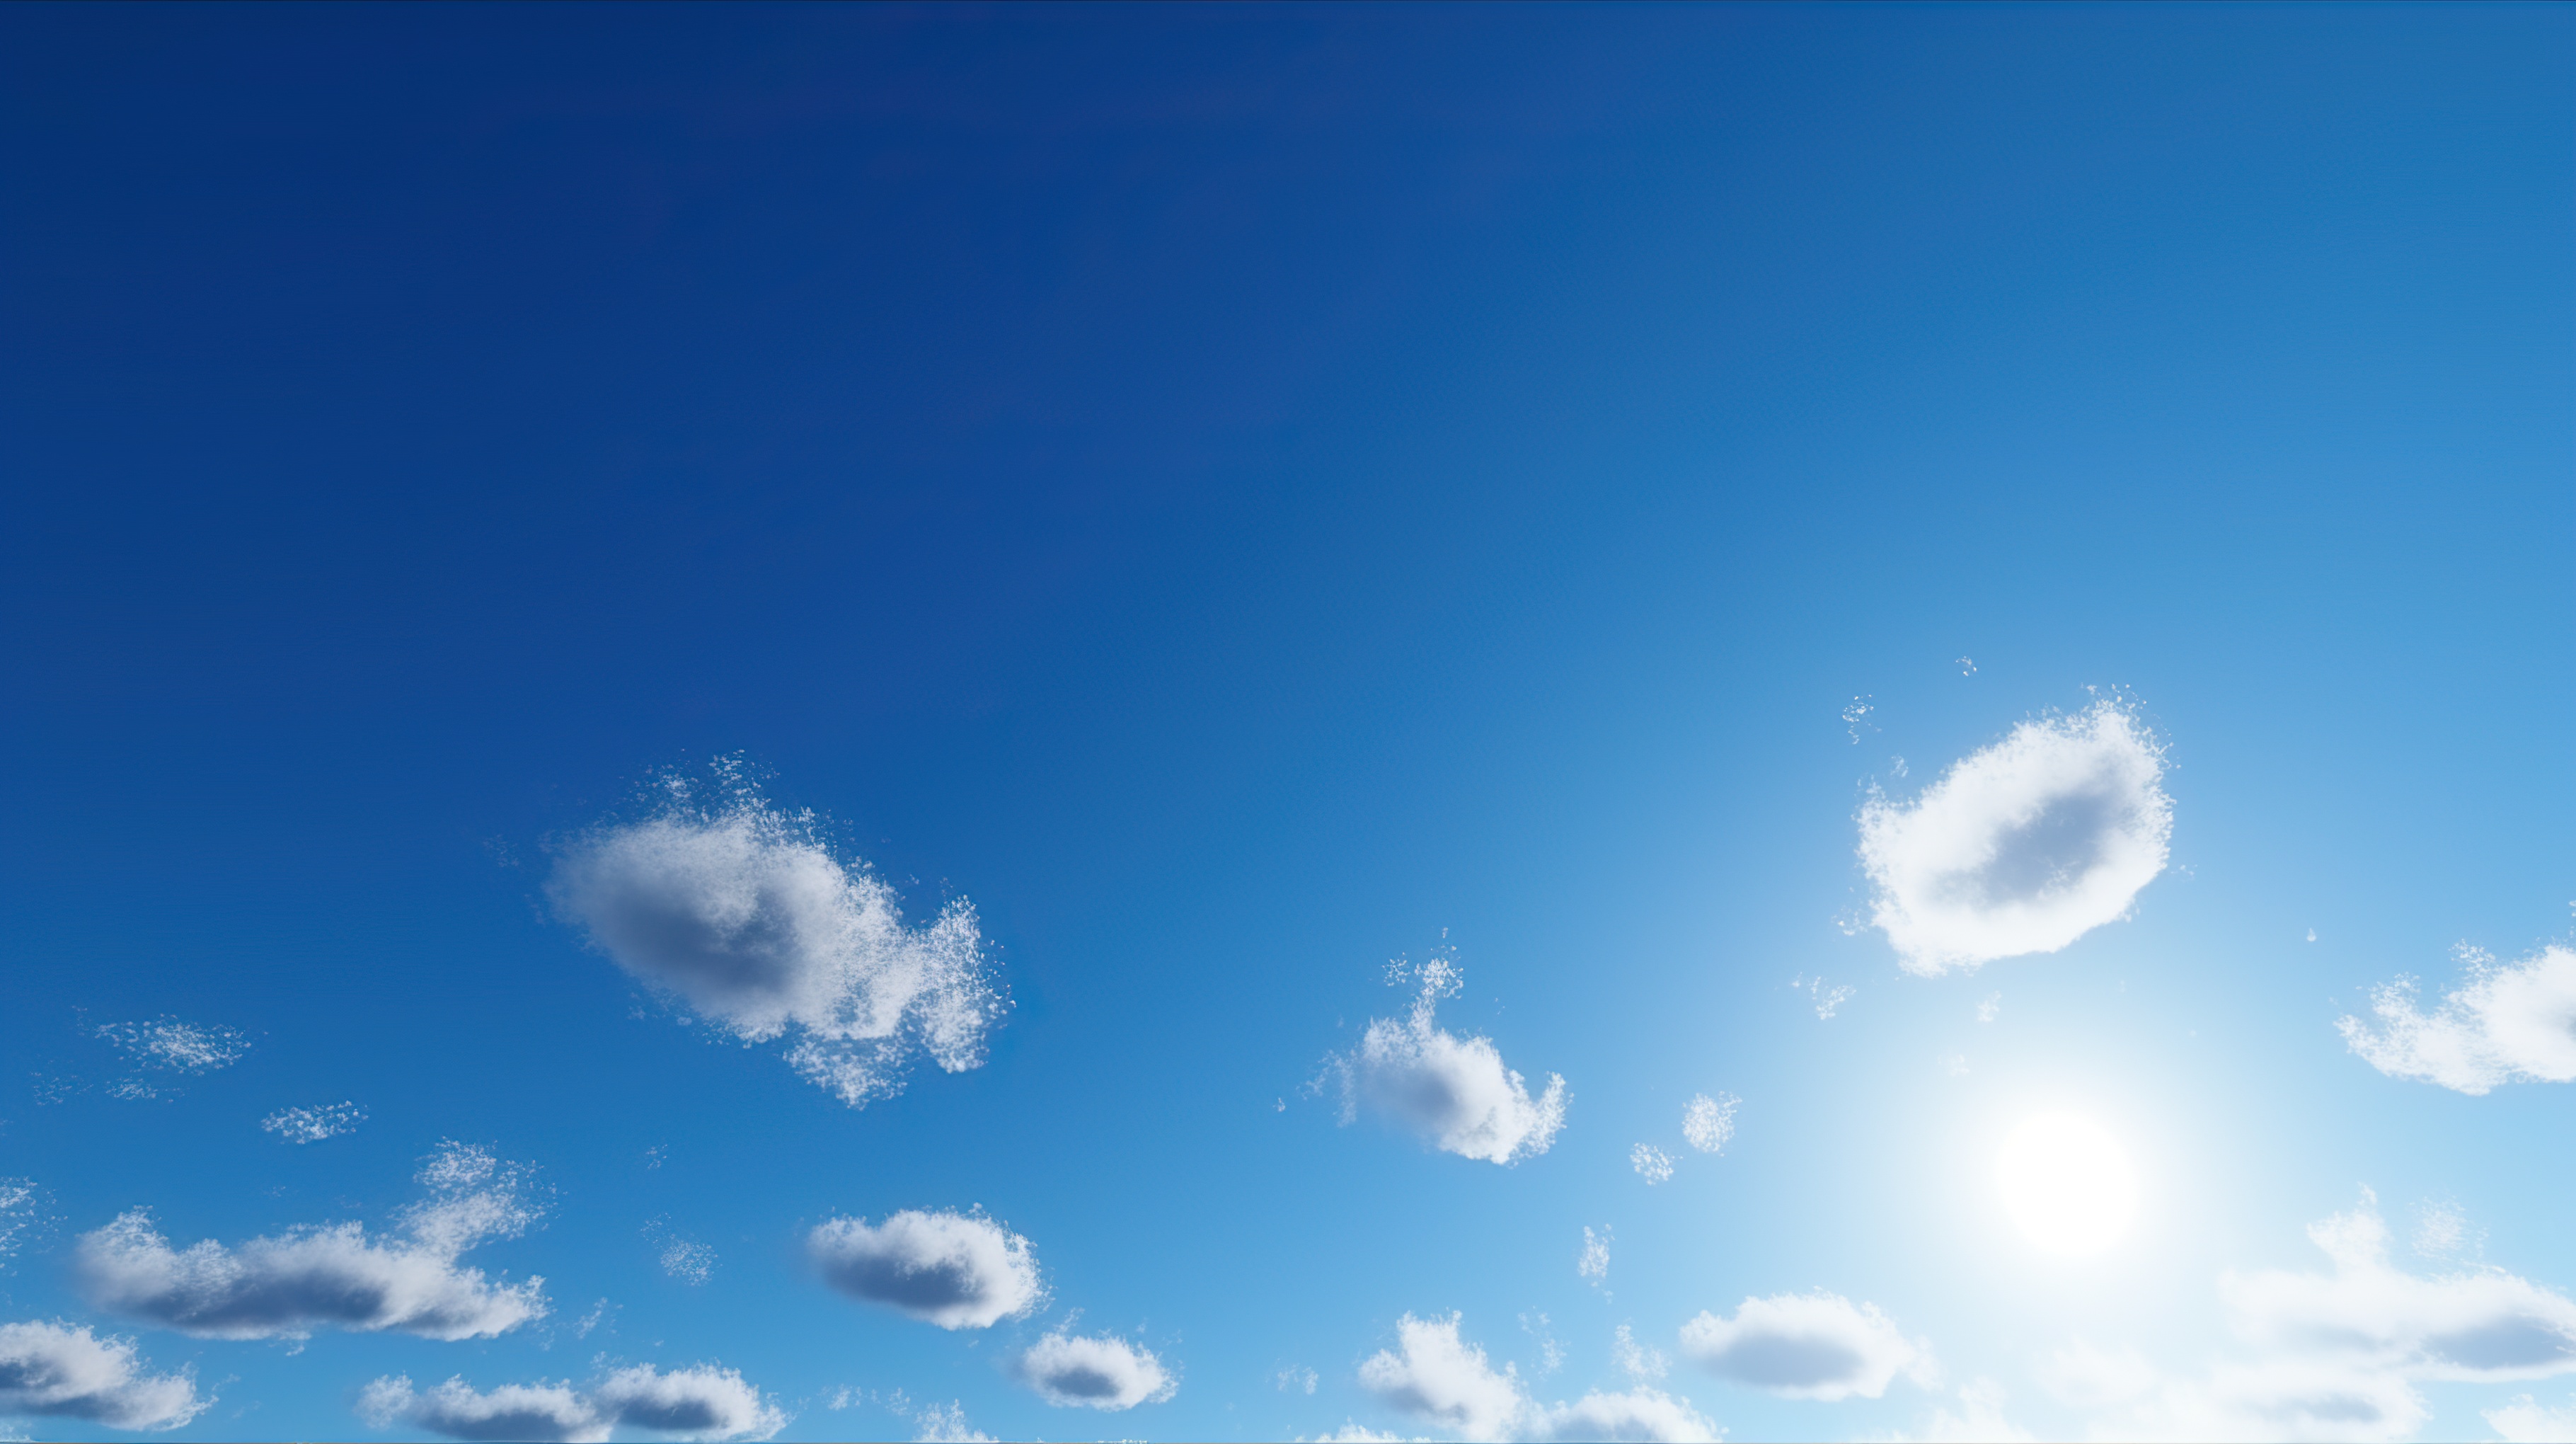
(1528, 722)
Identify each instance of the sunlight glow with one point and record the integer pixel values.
(2067, 1184)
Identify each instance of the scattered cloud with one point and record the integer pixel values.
(1297, 1377)
(2504, 1024)
(57, 1371)
(956, 1270)
(176, 1046)
(331, 1276)
(22, 1214)
(1991, 1008)
(700, 1402)
(1827, 998)
(1642, 1414)
(2525, 1422)
(1096, 1371)
(946, 1424)
(312, 1125)
(1551, 1354)
(681, 1257)
(1434, 1375)
(1856, 717)
(745, 914)
(1636, 1360)
(1454, 1091)
(1980, 1419)
(2022, 847)
(1707, 1123)
(1805, 1346)
(1593, 1264)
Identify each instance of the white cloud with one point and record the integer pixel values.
(1652, 1164)
(331, 1276)
(2504, 1024)
(1980, 1419)
(956, 1270)
(2525, 1422)
(937, 1424)
(1298, 1377)
(743, 913)
(1636, 1360)
(176, 1046)
(1454, 1091)
(1707, 1123)
(21, 1214)
(1804, 1346)
(681, 1257)
(312, 1125)
(61, 1372)
(2022, 847)
(1593, 1264)
(1098, 1371)
(702, 1402)
(1434, 1375)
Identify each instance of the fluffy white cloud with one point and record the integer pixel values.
(2526, 1422)
(1804, 1346)
(2503, 1024)
(744, 913)
(956, 1270)
(312, 1125)
(1098, 1371)
(1435, 1375)
(1652, 1164)
(1707, 1123)
(60, 1372)
(1454, 1091)
(702, 1402)
(333, 1276)
(2022, 847)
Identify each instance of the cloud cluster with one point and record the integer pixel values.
(701, 1402)
(61, 1372)
(331, 1276)
(177, 1046)
(744, 914)
(2022, 847)
(1707, 1123)
(1435, 1375)
(20, 1215)
(956, 1270)
(1652, 1164)
(1805, 1346)
(2525, 1421)
(2503, 1024)
(312, 1125)
(1454, 1091)
(1098, 1371)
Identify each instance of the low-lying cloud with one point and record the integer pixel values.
(2022, 847)
(1454, 1091)
(1434, 1375)
(745, 914)
(331, 1276)
(2503, 1024)
(702, 1402)
(57, 1371)
(1098, 1371)
(956, 1270)
(1804, 1346)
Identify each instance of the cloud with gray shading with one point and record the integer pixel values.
(703, 1402)
(2505, 1023)
(331, 1276)
(1099, 1371)
(2022, 847)
(56, 1371)
(745, 914)
(1804, 1346)
(1435, 1375)
(956, 1270)
(1454, 1091)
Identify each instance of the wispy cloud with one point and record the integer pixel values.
(1434, 1375)
(331, 1276)
(1805, 1346)
(1707, 1123)
(1454, 1091)
(1094, 1371)
(2503, 1024)
(956, 1270)
(312, 1125)
(745, 914)
(703, 1402)
(57, 1371)
(2022, 847)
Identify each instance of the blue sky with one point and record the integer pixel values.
(545, 549)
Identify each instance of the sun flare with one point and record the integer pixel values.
(2067, 1184)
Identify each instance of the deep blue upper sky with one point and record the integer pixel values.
(1236, 492)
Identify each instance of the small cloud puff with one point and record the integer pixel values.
(743, 913)
(332, 1276)
(312, 1125)
(1454, 1091)
(702, 1402)
(1707, 1123)
(1098, 1371)
(1805, 1346)
(2022, 847)
(1433, 1374)
(21, 1214)
(956, 1270)
(176, 1046)
(60, 1372)
(2504, 1024)
(1652, 1164)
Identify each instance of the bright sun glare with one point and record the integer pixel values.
(2067, 1184)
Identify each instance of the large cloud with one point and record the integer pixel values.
(57, 1371)
(331, 1276)
(745, 914)
(1804, 1346)
(2503, 1024)
(1435, 1375)
(1454, 1091)
(1095, 1371)
(2022, 847)
(702, 1402)
(956, 1270)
